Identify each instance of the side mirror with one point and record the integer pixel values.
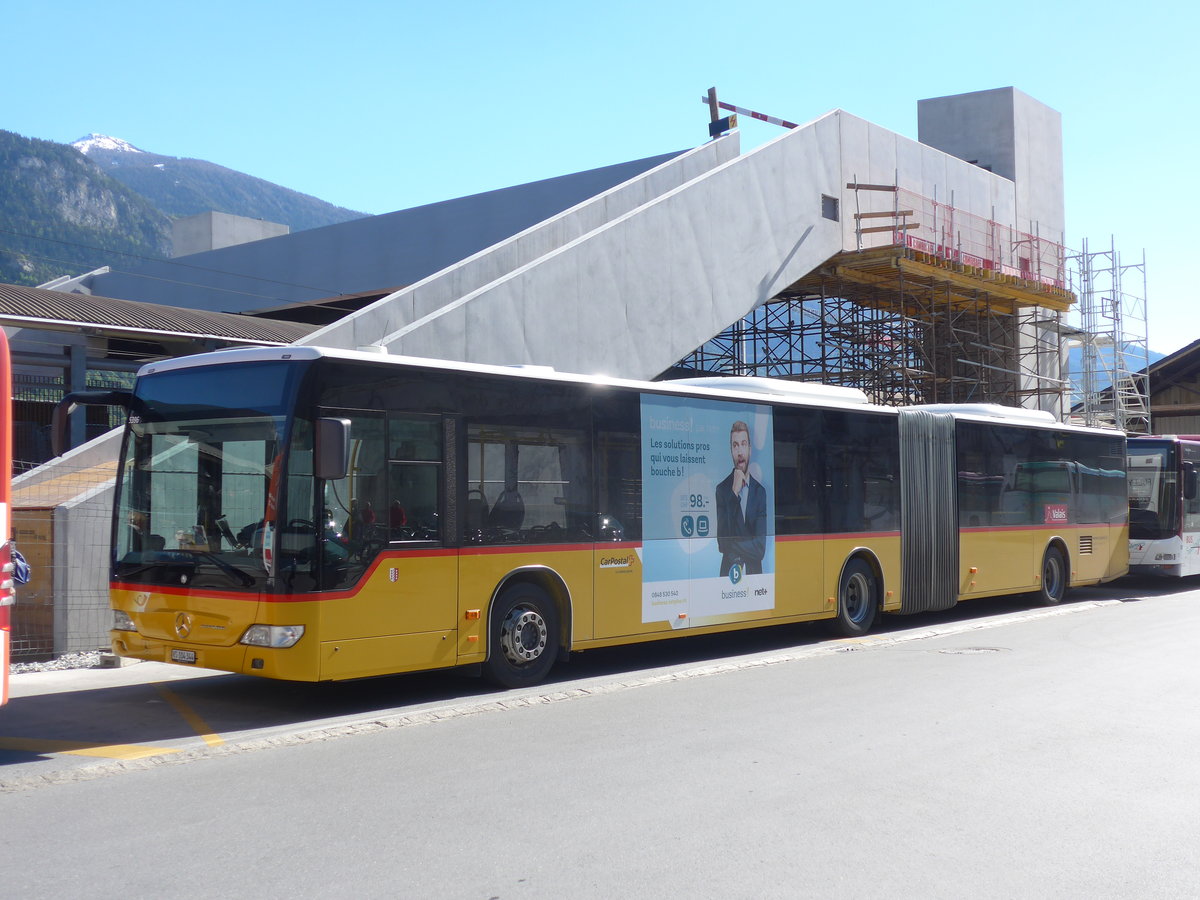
(1191, 481)
(60, 422)
(332, 451)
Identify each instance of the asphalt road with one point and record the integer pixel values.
(994, 751)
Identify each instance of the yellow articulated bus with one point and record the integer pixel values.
(313, 514)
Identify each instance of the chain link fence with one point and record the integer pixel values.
(61, 521)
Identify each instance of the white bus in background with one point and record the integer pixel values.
(1164, 505)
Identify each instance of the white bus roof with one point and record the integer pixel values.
(749, 388)
(993, 411)
(776, 387)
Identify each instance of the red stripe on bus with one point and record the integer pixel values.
(474, 550)
(974, 529)
(843, 536)
(313, 596)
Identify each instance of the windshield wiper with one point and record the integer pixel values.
(232, 571)
(186, 558)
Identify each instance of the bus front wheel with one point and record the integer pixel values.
(1054, 576)
(524, 637)
(857, 599)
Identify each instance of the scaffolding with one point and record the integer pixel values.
(1110, 386)
(933, 306)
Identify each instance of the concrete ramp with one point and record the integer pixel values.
(633, 280)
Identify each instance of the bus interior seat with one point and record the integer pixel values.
(477, 509)
(509, 511)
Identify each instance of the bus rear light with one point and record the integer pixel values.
(278, 636)
(122, 621)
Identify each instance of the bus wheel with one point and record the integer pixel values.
(857, 600)
(524, 638)
(1054, 576)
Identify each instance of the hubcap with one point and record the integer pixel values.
(1052, 577)
(523, 635)
(858, 597)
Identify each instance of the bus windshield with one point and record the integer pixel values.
(1153, 491)
(197, 490)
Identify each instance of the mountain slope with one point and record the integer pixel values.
(60, 214)
(184, 187)
(68, 209)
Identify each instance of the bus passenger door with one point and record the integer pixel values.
(394, 608)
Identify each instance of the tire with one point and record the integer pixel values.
(1054, 577)
(523, 637)
(857, 600)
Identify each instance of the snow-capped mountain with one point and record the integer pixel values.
(87, 144)
(102, 193)
(180, 186)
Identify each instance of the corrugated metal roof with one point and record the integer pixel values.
(29, 307)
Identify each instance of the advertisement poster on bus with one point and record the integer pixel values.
(708, 507)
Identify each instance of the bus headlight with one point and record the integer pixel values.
(122, 621)
(278, 636)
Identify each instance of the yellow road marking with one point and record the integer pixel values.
(190, 716)
(118, 751)
(75, 748)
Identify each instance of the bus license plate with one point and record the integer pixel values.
(186, 656)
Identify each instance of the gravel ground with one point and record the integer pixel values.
(86, 659)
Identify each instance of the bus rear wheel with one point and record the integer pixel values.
(1054, 577)
(524, 637)
(857, 600)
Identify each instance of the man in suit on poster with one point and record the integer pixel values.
(741, 510)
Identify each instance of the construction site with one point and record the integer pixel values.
(919, 271)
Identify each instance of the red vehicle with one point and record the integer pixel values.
(7, 595)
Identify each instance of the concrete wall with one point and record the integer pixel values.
(427, 297)
(632, 296)
(1041, 203)
(641, 289)
(1016, 136)
(213, 230)
(82, 530)
(78, 489)
(873, 155)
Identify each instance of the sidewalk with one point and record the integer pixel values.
(32, 684)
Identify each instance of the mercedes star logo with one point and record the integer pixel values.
(183, 624)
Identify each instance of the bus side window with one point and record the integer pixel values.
(799, 484)
(537, 480)
(862, 475)
(414, 483)
(618, 470)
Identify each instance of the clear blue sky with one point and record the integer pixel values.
(383, 106)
